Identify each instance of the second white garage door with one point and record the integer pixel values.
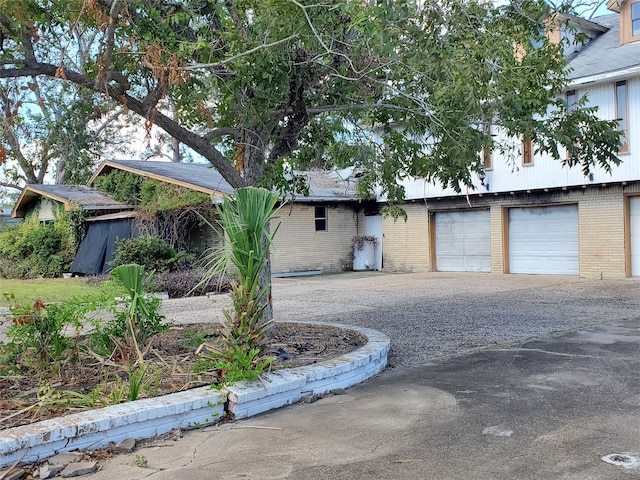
(544, 240)
(463, 241)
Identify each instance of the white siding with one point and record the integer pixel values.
(508, 174)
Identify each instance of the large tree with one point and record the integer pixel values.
(257, 84)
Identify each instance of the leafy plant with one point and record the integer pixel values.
(37, 337)
(235, 364)
(35, 249)
(132, 326)
(245, 221)
(151, 251)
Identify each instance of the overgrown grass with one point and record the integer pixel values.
(46, 289)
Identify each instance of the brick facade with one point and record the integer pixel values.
(602, 225)
(406, 244)
(299, 247)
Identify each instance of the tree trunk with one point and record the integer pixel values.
(265, 281)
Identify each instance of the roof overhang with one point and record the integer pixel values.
(614, 5)
(30, 194)
(605, 77)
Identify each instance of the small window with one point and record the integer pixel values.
(487, 152)
(635, 19)
(321, 219)
(571, 106)
(527, 151)
(622, 114)
(571, 100)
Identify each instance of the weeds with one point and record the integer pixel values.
(234, 365)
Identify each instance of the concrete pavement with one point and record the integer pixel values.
(547, 408)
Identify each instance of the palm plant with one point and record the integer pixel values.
(140, 318)
(245, 220)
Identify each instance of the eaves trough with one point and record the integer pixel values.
(202, 406)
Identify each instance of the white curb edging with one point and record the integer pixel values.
(151, 417)
(285, 387)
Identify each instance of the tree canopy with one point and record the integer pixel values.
(257, 86)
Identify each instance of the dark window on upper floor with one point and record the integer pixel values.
(622, 114)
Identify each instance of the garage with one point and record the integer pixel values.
(463, 241)
(634, 233)
(544, 240)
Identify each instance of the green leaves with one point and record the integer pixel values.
(245, 220)
(250, 81)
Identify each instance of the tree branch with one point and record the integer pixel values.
(10, 185)
(198, 143)
(221, 132)
(101, 79)
(197, 66)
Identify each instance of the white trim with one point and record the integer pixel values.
(605, 77)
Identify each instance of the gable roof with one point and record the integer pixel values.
(335, 185)
(604, 56)
(195, 176)
(88, 198)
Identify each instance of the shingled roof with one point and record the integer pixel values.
(604, 54)
(335, 185)
(86, 197)
(195, 176)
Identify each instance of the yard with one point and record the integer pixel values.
(48, 290)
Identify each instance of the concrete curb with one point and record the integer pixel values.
(285, 387)
(151, 417)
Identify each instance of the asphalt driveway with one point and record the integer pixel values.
(429, 316)
(493, 376)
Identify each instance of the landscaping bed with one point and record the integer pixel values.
(170, 366)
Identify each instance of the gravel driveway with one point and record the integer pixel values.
(435, 315)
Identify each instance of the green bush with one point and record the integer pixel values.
(148, 250)
(32, 249)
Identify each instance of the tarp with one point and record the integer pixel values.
(99, 243)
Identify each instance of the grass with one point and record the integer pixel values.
(46, 289)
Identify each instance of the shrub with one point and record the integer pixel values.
(32, 249)
(188, 283)
(148, 250)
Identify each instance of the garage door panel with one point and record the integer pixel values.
(634, 233)
(463, 241)
(544, 240)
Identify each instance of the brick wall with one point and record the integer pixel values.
(601, 224)
(298, 247)
(601, 233)
(406, 244)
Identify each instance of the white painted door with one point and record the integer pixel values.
(373, 228)
(634, 224)
(544, 240)
(463, 241)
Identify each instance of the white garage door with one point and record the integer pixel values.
(634, 223)
(544, 240)
(463, 241)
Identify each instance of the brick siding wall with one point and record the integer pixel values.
(601, 228)
(406, 244)
(298, 247)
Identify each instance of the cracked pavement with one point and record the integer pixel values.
(493, 376)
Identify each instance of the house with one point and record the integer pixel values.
(5, 217)
(46, 200)
(315, 230)
(107, 219)
(541, 218)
